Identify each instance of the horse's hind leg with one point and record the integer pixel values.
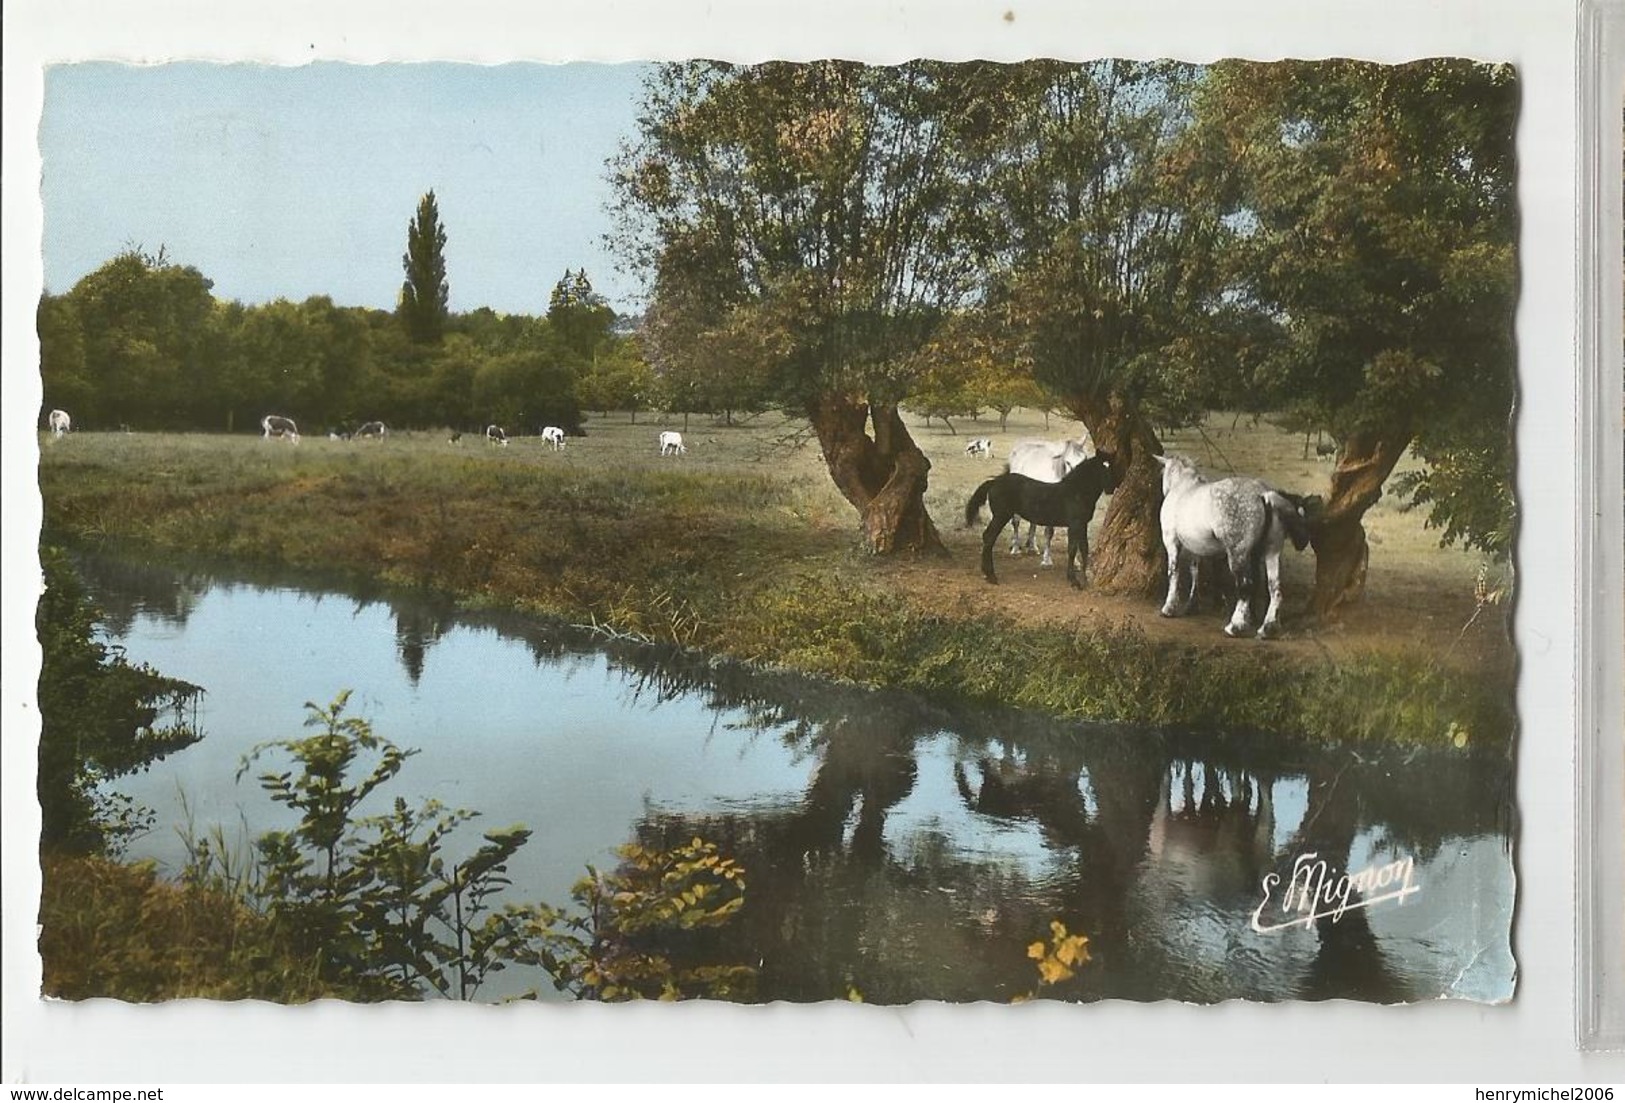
(1170, 606)
(1241, 620)
(1272, 570)
(1049, 538)
(1015, 536)
(990, 536)
(1077, 556)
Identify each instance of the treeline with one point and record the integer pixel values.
(142, 342)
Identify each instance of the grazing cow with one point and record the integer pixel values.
(495, 435)
(372, 429)
(1326, 450)
(671, 444)
(60, 422)
(981, 446)
(555, 436)
(1048, 462)
(281, 427)
(456, 436)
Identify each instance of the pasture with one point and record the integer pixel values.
(742, 545)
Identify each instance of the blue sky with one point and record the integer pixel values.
(280, 182)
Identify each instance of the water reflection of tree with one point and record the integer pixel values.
(126, 589)
(1155, 835)
(417, 629)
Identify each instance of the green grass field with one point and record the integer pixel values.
(743, 547)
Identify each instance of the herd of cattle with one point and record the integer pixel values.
(277, 427)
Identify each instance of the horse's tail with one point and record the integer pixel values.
(1279, 507)
(974, 506)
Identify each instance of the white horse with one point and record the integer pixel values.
(555, 436)
(1048, 462)
(671, 443)
(1237, 517)
(280, 427)
(59, 422)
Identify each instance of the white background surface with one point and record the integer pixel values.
(1530, 1040)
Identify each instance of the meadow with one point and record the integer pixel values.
(742, 547)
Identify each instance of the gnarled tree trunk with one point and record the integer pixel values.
(884, 477)
(1127, 556)
(1337, 532)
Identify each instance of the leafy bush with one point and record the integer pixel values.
(373, 897)
(376, 902)
(620, 946)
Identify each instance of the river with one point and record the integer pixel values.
(896, 847)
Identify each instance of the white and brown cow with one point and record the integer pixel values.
(553, 435)
(281, 427)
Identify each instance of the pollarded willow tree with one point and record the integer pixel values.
(1378, 205)
(1110, 269)
(816, 221)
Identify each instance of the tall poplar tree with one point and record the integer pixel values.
(425, 294)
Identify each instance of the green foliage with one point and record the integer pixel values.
(63, 370)
(635, 922)
(579, 316)
(141, 343)
(809, 210)
(527, 389)
(1467, 487)
(1110, 262)
(100, 719)
(376, 902)
(1377, 222)
(425, 294)
(373, 896)
(619, 379)
(130, 344)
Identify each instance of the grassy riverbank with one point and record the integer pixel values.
(742, 547)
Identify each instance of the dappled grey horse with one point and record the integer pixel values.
(1236, 517)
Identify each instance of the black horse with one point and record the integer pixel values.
(1070, 502)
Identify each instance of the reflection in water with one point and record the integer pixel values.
(893, 845)
(416, 630)
(127, 589)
